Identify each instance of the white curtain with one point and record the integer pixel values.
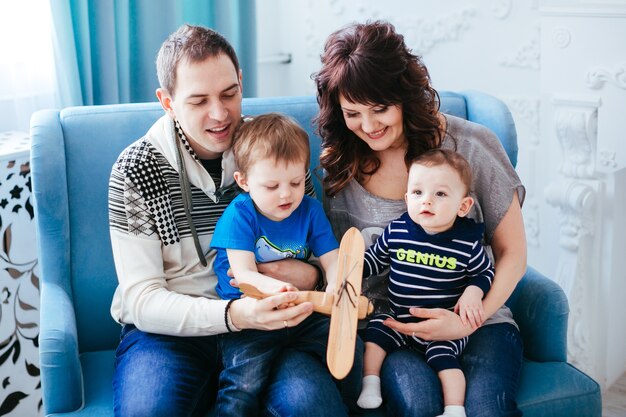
(27, 74)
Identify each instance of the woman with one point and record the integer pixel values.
(377, 111)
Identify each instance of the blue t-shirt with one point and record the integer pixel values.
(307, 230)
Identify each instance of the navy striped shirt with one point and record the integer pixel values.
(429, 270)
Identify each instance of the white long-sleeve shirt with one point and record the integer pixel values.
(163, 288)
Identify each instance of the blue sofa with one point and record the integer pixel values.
(72, 154)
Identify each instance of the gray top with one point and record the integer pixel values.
(493, 185)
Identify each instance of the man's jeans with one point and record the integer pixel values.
(491, 363)
(249, 359)
(158, 375)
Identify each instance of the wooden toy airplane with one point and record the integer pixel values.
(345, 307)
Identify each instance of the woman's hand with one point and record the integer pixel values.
(250, 313)
(438, 324)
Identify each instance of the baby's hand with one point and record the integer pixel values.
(470, 307)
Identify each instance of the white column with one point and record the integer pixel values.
(583, 87)
(578, 194)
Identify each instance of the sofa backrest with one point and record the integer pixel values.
(73, 151)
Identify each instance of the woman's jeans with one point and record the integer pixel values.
(249, 357)
(158, 375)
(491, 363)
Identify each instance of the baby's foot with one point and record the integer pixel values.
(370, 394)
(453, 411)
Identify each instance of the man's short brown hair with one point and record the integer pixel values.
(191, 43)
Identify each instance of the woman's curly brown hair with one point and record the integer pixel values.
(370, 64)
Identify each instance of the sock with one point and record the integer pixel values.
(453, 411)
(370, 394)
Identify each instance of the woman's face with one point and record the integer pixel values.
(379, 126)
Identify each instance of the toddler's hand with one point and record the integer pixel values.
(470, 307)
(285, 288)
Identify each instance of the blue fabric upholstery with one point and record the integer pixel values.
(71, 158)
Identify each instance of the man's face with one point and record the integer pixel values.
(206, 103)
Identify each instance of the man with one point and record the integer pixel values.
(167, 191)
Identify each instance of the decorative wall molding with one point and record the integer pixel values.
(528, 55)
(532, 225)
(500, 9)
(561, 37)
(423, 34)
(526, 111)
(578, 195)
(598, 76)
(580, 349)
(587, 12)
(314, 38)
(577, 131)
(607, 159)
(577, 202)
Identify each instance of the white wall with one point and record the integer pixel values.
(557, 64)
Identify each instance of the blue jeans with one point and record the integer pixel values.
(249, 357)
(157, 375)
(491, 363)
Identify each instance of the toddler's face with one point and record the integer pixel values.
(276, 187)
(435, 196)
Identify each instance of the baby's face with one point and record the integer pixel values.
(435, 196)
(276, 187)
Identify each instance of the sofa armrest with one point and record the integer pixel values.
(58, 352)
(61, 376)
(540, 309)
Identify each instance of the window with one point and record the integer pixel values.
(27, 73)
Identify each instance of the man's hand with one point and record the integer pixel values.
(297, 273)
(266, 314)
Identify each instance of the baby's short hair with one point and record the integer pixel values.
(454, 160)
(271, 135)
